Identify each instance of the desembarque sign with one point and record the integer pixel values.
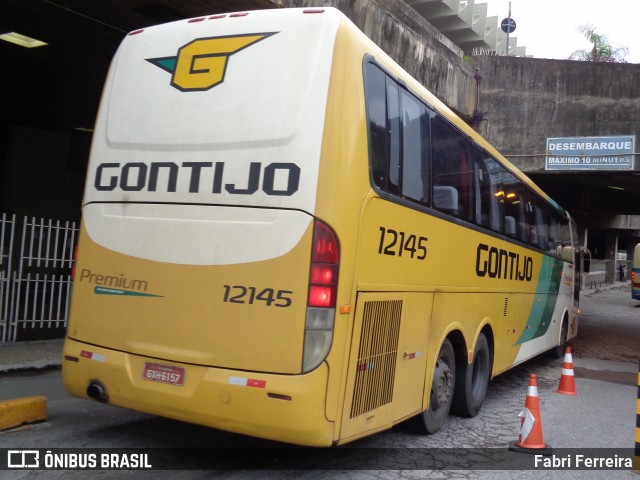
(591, 153)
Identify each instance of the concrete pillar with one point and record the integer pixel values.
(610, 250)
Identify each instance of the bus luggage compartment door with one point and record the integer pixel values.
(386, 372)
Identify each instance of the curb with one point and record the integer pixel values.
(30, 366)
(30, 355)
(14, 413)
(615, 286)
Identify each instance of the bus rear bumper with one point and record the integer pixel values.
(288, 408)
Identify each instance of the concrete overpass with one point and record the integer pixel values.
(465, 23)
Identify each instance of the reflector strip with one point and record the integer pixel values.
(364, 366)
(411, 355)
(92, 356)
(247, 382)
(527, 423)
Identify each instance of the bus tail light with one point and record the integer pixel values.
(321, 304)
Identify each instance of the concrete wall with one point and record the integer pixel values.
(413, 43)
(526, 100)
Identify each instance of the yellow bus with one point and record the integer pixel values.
(285, 235)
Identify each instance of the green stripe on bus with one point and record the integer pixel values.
(128, 293)
(541, 312)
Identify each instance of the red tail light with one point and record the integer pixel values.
(325, 244)
(323, 274)
(323, 297)
(325, 259)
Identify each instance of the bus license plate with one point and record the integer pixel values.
(156, 372)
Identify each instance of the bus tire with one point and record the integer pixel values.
(442, 388)
(472, 381)
(558, 350)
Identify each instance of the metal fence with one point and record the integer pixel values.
(36, 256)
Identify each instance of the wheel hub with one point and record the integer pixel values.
(441, 385)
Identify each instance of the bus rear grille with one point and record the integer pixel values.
(377, 355)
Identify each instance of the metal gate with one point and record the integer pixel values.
(36, 256)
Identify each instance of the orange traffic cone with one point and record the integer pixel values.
(567, 382)
(530, 439)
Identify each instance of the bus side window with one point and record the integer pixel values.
(377, 115)
(512, 196)
(383, 112)
(540, 215)
(394, 129)
(531, 234)
(451, 166)
(555, 240)
(488, 209)
(415, 149)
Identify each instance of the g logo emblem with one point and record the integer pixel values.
(201, 64)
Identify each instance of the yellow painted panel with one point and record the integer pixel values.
(179, 312)
(409, 386)
(248, 403)
(386, 371)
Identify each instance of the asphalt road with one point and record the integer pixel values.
(601, 417)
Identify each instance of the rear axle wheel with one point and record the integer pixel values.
(472, 381)
(442, 388)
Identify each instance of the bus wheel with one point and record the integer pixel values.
(558, 350)
(472, 381)
(442, 386)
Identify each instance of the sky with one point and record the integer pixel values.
(548, 28)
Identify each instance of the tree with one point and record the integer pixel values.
(602, 50)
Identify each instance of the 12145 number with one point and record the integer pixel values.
(393, 242)
(251, 295)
